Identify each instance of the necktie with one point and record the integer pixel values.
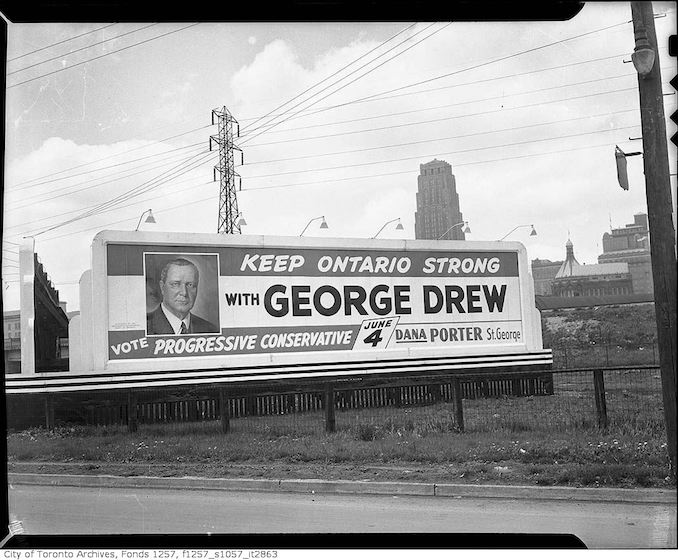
(183, 330)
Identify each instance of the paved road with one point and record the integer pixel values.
(72, 510)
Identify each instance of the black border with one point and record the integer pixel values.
(23, 11)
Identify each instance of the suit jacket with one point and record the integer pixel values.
(157, 323)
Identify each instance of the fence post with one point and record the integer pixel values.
(330, 420)
(132, 411)
(599, 391)
(49, 412)
(250, 405)
(224, 413)
(516, 390)
(458, 404)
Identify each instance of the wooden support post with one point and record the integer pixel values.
(458, 404)
(516, 389)
(192, 406)
(330, 420)
(224, 413)
(660, 215)
(599, 391)
(49, 412)
(548, 383)
(132, 411)
(250, 405)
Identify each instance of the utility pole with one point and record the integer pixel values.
(659, 208)
(228, 201)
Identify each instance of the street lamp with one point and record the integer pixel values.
(149, 219)
(465, 230)
(643, 54)
(399, 226)
(533, 232)
(323, 224)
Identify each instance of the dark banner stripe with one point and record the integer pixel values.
(134, 345)
(127, 260)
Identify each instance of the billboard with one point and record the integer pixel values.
(176, 301)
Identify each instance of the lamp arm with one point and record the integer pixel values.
(450, 229)
(140, 218)
(308, 224)
(382, 227)
(510, 232)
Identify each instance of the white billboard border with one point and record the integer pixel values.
(99, 299)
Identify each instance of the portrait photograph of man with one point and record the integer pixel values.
(181, 294)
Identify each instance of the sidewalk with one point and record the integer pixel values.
(652, 495)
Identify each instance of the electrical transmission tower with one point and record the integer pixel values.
(228, 201)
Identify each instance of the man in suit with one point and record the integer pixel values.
(179, 288)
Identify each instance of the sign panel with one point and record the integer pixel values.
(218, 300)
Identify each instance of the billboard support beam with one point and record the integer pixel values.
(224, 412)
(330, 419)
(132, 423)
(458, 404)
(27, 304)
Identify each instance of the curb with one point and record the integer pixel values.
(657, 496)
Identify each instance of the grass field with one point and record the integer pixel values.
(547, 440)
(418, 444)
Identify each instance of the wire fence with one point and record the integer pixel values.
(604, 354)
(623, 399)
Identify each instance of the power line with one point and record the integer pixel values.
(16, 191)
(509, 145)
(255, 128)
(79, 49)
(103, 55)
(331, 75)
(381, 96)
(373, 96)
(411, 143)
(107, 157)
(451, 153)
(410, 171)
(29, 232)
(61, 42)
(152, 184)
(248, 137)
(440, 119)
(486, 63)
(178, 170)
(316, 182)
(84, 188)
(471, 101)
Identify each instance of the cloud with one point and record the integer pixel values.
(31, 207)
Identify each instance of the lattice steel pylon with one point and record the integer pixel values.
(228, 201)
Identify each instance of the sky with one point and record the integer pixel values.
(334, 118)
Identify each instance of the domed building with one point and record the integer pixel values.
(574, 279)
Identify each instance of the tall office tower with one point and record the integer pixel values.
(437, 203)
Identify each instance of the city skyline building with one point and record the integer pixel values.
(631, 245)
(437, 203)
(575, 280)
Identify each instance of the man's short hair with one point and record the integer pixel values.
(178, 262)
